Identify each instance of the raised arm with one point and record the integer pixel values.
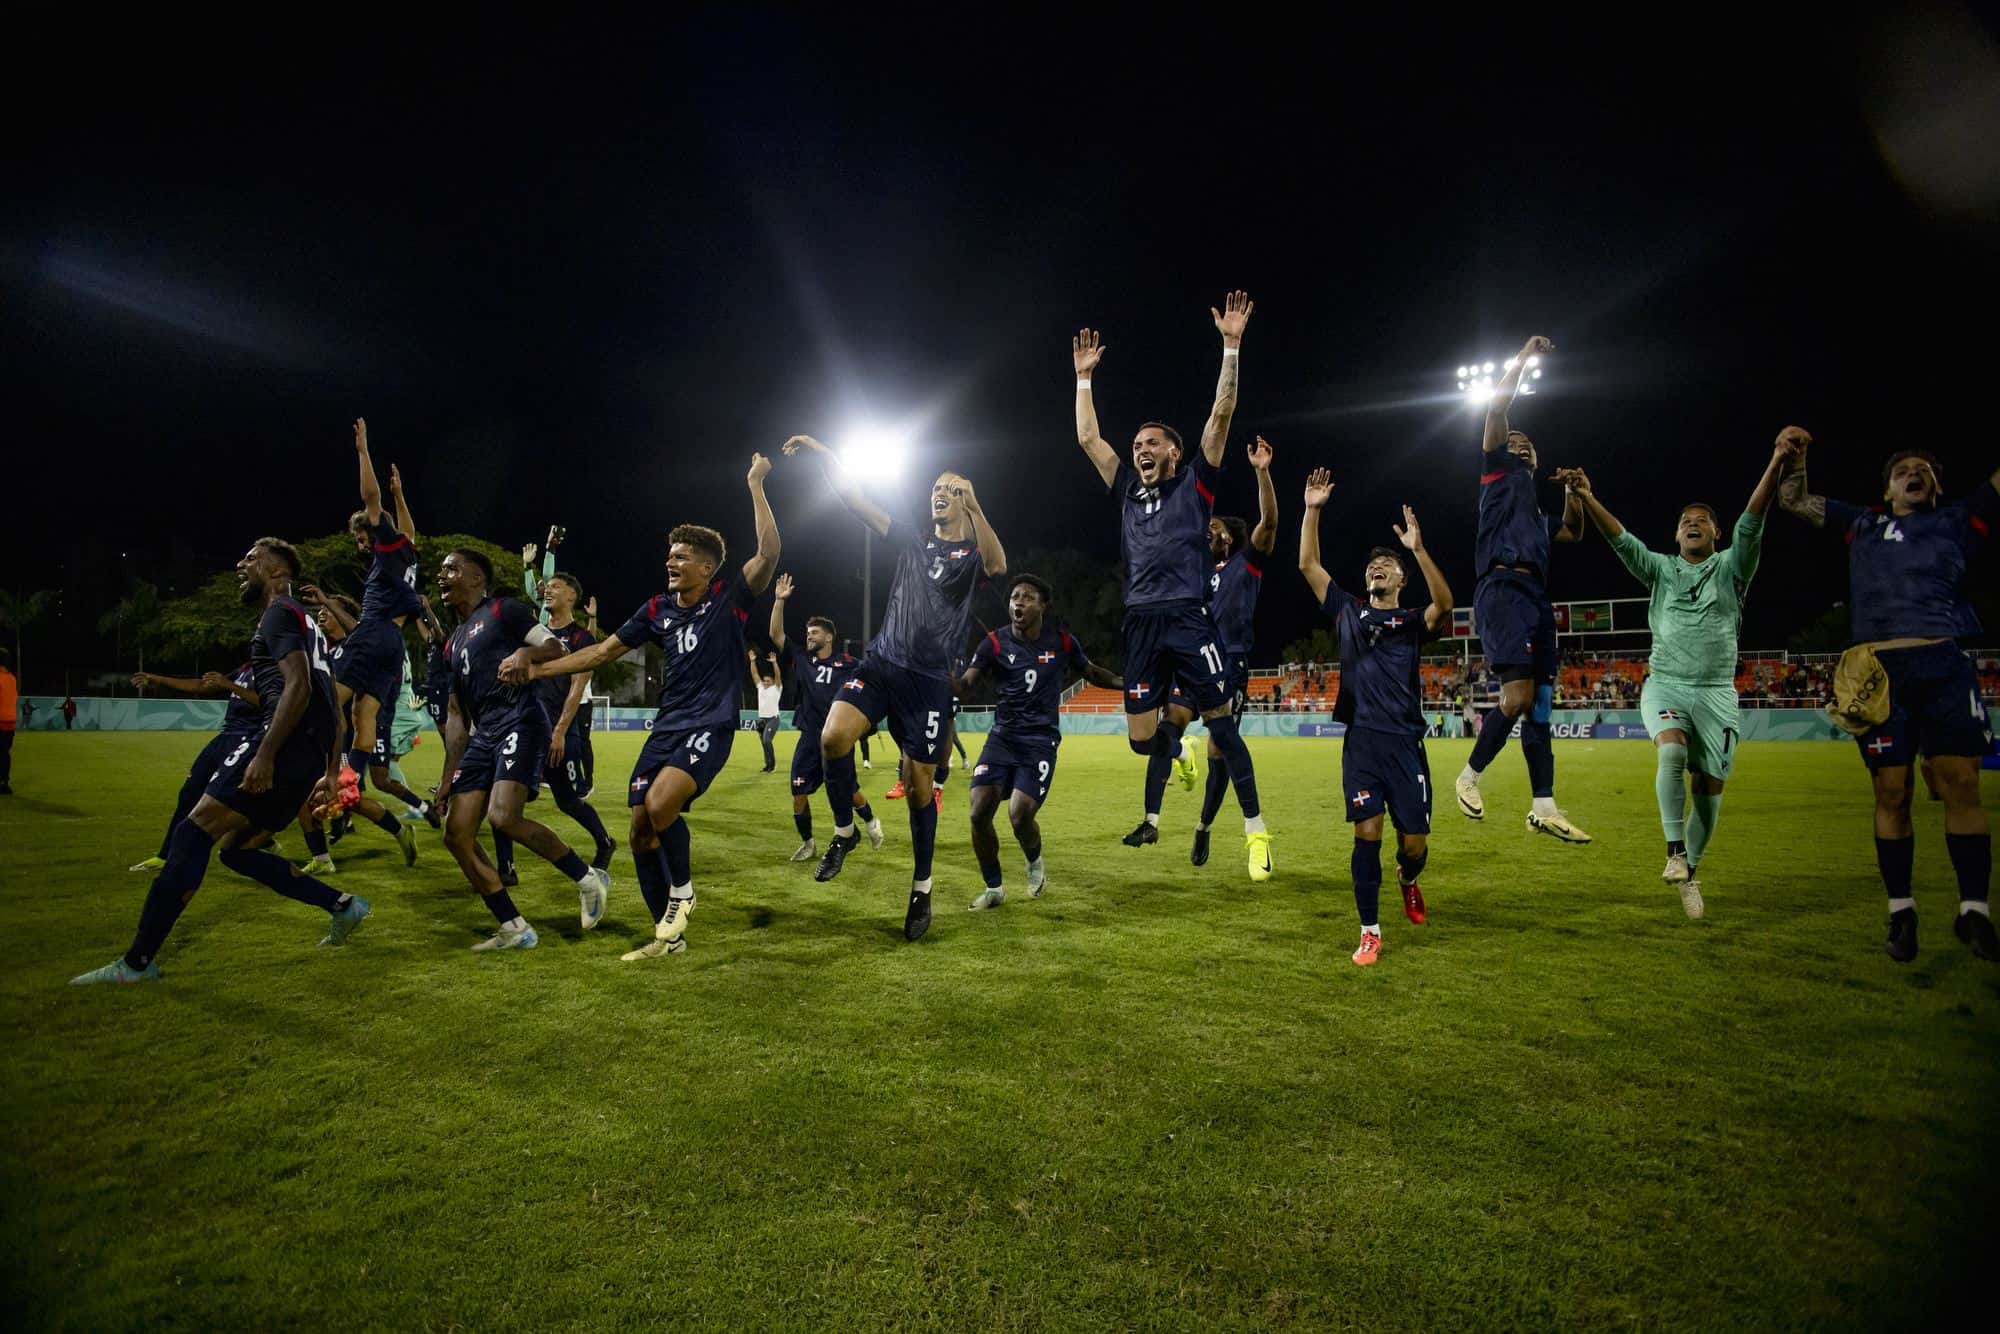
(844, 488)
(205, 684)
(1086, 350)
(1503, 393)
(779, 597)
(1577, 489)
(1572, 522)
(1319, 490)
(404, 523)
(1793, 497)
(1264, 536)
(1229, 322)
(314, 598)
(371, 489)
(1767, 485)
(1412, 538)
(992, 556)
(758, 569)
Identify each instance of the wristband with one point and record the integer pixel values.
(1231, 351)
(1083, 382)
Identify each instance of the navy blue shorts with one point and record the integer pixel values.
(1934, 708)
(371, 661)
(569, 780)
(211, 756)
(1169, 646)
(1516, 625)
(385, 722)
(1383, 771)
(1016, 765)
(918, 707)
(510, 747)
(808, 773)
(698, 752)
(300, 765)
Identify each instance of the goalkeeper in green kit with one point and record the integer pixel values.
(1689, 699)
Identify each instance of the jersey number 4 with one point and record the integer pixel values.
(1892, 533)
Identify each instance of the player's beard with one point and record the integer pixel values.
(251, 593)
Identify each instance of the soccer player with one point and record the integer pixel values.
(1689, 699)
(1382, 762)
(1233, 585)
(1907, 559)
(241, 719)
(821, 670)
(907, 673)
(263, 780)
(496, 739)
(371, 664)
(1164, 520)
(1029, 662)
(1510, 605)
(562, 698)
(698, 623)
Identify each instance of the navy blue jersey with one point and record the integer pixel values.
(1028, 678)
(1381, 688)
(820, 679)
(241, 716)
(1906, 575)
(437, 681)
(286, 628)
(482, 641)
(555, 690)
(1513, 531)
(391, 588)
(1232, 600)
(704, 651)
(930, 603)
(1163, 532)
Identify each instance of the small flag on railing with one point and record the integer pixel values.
(1461, 622)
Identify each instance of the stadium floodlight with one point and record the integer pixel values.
(874, 453)
(1476, 379)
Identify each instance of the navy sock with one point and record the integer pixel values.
(1493, 730)
(1366, 864)
(803, 822)
(862, 810)
(571, 865)
(316, 842)
(1160, 756)
(676, 846)
(989, 871)
(1409, 867)
(840, 787)
(652, 874)
(923, 836)
(388, 824)
(1242, 776)
(187, 862)
(1540, 754)
(503, 851)
(502, 907)
(191, 791)
(1218, 787)
(274, 872)
(1896, 857)
(1031, 843)
(358, 760)
(1972, 858)
(586, 815)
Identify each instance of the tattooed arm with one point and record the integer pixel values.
(1793, 498)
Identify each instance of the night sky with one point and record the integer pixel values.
(579, 274)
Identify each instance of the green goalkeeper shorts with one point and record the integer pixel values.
(1708, 714)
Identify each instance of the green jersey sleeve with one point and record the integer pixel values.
(1646, 566)
(1746, 547)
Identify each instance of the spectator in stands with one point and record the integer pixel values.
(69, 713)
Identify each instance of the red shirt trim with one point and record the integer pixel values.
(1487, 478)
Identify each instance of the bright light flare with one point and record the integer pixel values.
(1476, 380)
(874, 453)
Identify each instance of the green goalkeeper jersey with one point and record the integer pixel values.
(1696, 609)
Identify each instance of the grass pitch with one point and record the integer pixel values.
(1159, 1097)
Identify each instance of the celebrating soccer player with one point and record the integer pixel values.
(370, 670)
(1382, 762)
(570, 778)
(698, 623)
(241, 719)
(259, 785)
(496, 739)
(1907, 560)
(1689, 699)
(1029, 662)
(1510, 605)
(907, 673)
(821, 670)
(1164, 521)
